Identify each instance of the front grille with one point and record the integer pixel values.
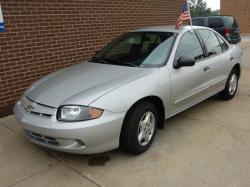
(40, 114)
(42, 139)
(37, 109)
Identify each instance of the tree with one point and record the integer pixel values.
(199, 8)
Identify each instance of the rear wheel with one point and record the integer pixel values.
(139, 128)
(231, 86)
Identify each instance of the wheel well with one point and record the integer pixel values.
(159, 106)
(237, 67)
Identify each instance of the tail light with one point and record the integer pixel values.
(227, 31)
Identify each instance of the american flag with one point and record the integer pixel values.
(185, 16)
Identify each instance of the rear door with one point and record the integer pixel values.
(217, 59)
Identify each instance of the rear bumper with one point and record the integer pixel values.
(89, 137)
(234, 41)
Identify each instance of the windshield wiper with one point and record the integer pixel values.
(127, 64)
(105, 61)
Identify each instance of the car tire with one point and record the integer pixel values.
(139, 128)
(231, 86)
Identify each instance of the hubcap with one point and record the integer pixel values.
(146, 128)
(233, 84)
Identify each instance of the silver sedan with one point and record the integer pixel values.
(127, 90)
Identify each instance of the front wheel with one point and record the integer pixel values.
(139, 128)
(231, 86)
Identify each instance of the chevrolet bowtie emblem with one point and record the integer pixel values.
(29, 108)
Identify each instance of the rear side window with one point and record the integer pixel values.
(223, 44)
(232, 22)
(214, 22)
(198, 21)
(189, 47)
(211, 41)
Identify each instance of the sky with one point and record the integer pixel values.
(213, 4)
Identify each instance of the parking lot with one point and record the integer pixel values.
(207, 145)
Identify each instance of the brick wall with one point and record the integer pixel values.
(42, 36)
(239, 9)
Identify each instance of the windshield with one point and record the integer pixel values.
(137, 49)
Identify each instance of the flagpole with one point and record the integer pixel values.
(191, 23)
(185, 16)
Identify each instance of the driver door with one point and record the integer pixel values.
(189, 84)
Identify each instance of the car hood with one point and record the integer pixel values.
(82, 83)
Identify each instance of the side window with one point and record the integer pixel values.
(211, 41)
(198, 21)
(223, 44)
(232, 22)
(189, 47)
(215, 22)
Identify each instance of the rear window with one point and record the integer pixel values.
(215, 22)
(198, 21)
(232, 22)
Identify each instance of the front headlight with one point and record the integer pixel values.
(71, 113)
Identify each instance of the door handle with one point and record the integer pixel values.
(207, 68)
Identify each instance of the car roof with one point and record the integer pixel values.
(170, 28)
(221, 16)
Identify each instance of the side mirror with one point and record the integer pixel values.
(184, 62)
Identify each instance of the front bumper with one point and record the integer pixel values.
(88, 137)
